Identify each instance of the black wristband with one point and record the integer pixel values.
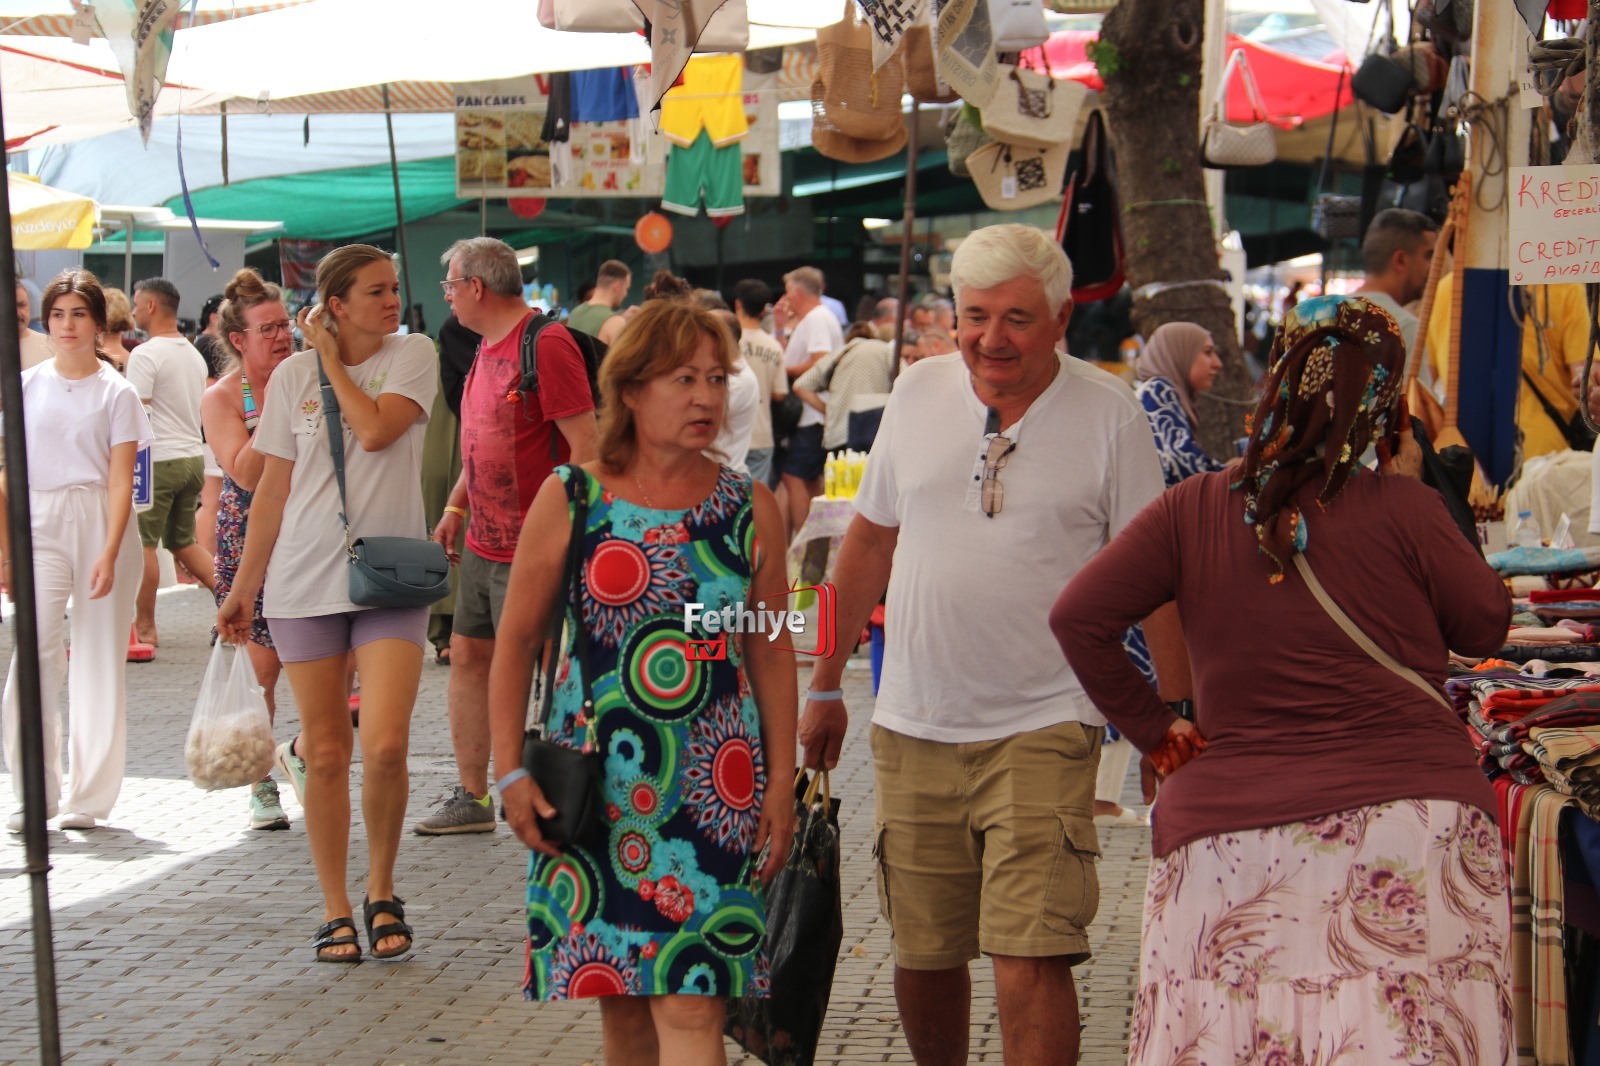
(1183, 709)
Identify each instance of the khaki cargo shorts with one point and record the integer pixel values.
(987, 847)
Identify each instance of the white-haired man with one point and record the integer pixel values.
(507, 452)
(997, 473)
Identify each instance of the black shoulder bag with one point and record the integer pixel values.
(568, 777)
(384, 571)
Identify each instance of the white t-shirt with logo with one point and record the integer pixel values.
(73, 425)
(817, 332)
(970, 656)
(170, 374)
(308, 574)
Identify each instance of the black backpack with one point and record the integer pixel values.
(591, 348)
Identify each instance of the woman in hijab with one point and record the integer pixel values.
(1327, 879)
(1179, 362)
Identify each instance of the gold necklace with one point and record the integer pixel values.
(643, 493)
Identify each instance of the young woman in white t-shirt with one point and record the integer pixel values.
(385, 385)
(84, 425)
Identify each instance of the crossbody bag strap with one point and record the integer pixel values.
(570, 598)
(330, 411)
(1562, 423)
(1354, 632)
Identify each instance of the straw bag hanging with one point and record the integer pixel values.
(1013, 178)
(1224, 146)
(922, 69)
(963, 135)
(858, 102)
(834, 143)
(1033, 109)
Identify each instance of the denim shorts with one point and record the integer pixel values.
(805, 459)
(304, 640)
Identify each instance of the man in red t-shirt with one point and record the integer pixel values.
(508, 448)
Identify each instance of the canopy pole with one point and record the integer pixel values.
(399, 210)
(36, 845)
(908, 221)
(127, 257)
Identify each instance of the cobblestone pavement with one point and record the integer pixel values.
(181, 936)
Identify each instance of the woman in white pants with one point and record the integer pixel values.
(84, 425)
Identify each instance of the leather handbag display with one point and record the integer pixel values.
(1014, 178)
(384, 571)
(1032, 108)
(1225, 146)
(568, 777)
(1017, 24)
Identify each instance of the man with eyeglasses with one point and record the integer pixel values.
(170, 374)
(508, 449)
(996, 474)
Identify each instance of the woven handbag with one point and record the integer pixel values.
(922, 69)
(1033, 109)
(1014, 178)
(1336, 216)
(859, 103)
(963, 135)
(829, 140)
(1225, 146)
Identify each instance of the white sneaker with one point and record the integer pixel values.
(14, 823)
(74, 820)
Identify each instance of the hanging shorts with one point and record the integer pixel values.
(710, 98)
(703, 170)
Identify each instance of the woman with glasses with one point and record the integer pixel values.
(669, 920)
(257, 334)
(84, 426)
(1309, 896)
(296, 544)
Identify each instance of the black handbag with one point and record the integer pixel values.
(384, 571)
(786, 415)
(1089, 227)
(568, 777)
(1382, 83)
(805, 926)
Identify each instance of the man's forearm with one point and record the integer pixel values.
(861, 576)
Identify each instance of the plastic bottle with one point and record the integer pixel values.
(1526, 533)
(830, 480)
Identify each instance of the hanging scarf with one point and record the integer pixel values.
(1170, 353)
(1330, 392)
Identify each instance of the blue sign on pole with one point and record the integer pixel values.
(143, 484)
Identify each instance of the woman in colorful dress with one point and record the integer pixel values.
(384, 384)
(1178, 363)
(664, 917)
(84, 426)
(1310, 900)
(257, 334)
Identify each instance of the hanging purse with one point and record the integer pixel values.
(1225, 146)
(1017, 25)
(963, 135)
(1090, 224)
(923, 80)
(1033, 109)
(1013, 178)
(570, 778)
(855, 100)
(384, 571)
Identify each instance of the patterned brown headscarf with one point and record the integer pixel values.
(1330, 392)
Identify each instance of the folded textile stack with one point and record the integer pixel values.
(1535, 636)
(1569, 755)
(1519, 561)
(1500, 708)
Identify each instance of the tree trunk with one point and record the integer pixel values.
(1149, 56)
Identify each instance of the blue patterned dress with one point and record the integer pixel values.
(671, 906)
(1181, 455)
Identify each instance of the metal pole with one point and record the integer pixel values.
(36, 845)
(127, 257)
(399, 210)
(907, 221)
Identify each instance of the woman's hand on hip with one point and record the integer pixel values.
(525, 804)
(1183, 742)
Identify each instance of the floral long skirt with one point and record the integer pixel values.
(1375, 935)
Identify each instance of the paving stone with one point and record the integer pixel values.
(183, 937)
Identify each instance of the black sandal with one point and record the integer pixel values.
(394, 907)
(325, 939)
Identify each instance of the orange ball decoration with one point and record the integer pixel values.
(653, 233)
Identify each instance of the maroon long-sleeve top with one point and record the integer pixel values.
(1300, 722)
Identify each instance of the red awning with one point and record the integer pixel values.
(1295, 90)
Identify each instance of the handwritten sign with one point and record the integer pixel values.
(1555, 224)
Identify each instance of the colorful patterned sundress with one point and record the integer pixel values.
(233, 514)
(671, 906)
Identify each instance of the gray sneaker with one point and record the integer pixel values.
(462, 813)
(265, 810)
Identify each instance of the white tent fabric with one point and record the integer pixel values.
(50, 103)
(118, 169)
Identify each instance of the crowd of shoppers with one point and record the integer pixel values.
(1020, 513)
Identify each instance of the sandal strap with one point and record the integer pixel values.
(325, 933)
(395, 906)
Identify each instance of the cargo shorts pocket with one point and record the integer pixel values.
(881, 873)
(1072, 894)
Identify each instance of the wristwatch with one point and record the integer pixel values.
(1182, 708)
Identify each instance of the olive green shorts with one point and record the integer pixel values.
(175, 486)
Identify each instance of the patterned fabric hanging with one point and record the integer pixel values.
(890, 19)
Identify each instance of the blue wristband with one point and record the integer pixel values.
(510, 779)
(831, 694)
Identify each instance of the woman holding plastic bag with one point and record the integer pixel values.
(85, 425)
(384, 385)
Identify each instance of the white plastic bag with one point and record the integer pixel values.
(230, 738)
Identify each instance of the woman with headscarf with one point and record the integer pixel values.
(1309, 896)
(1178, 362)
